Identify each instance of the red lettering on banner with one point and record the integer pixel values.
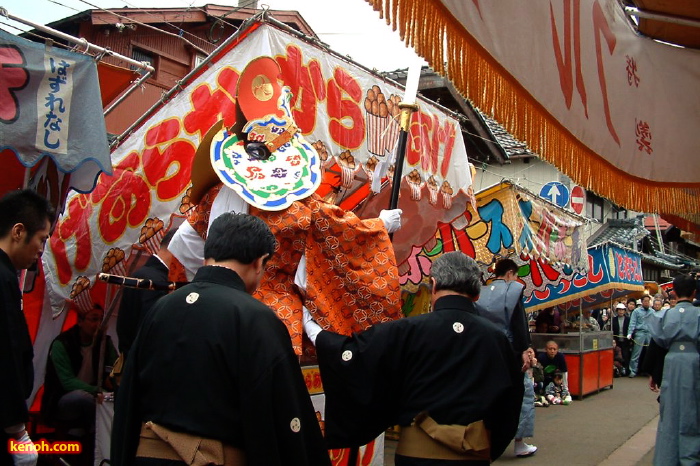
(565, 65)
(207, 109)
(73, 224)
(168, 171)
(565, 62)
(601, 27)
(594, 277)
(631, 68)
(550, 272)
(227, 79)
(298, 78)
(347, 126)
(430, 162)
(419, 130)
(643, 134)
(127, 200)
(14, 77)
(163, 131)
(317, 80)
(448, 134)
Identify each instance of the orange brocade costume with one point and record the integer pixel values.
(352, 278)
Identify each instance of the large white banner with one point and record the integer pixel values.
(342, 108)
(617, 112)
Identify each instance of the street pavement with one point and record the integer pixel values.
(614, 427)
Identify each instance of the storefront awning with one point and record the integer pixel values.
(614, 272)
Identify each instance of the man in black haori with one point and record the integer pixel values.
(212, 377)
(448, 378)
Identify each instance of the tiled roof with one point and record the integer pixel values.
(625, 232)
(510, 144)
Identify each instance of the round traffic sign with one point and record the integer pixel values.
(556, 193)
(578, 199)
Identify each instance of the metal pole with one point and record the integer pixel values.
(123, 97)
(79, 41)
(682, 20)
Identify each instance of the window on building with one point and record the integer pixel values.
(651, 274)
(198, 59)
(141, 56)
(594, 206)
(618, 212)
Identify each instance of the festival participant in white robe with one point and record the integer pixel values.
(677, 331)
(352, 279)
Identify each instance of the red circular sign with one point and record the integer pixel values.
(578, 199)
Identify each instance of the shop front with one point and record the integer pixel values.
(614, 274)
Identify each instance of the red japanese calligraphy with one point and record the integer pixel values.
(631, 68)
(643, 134)
(13, 77)
(347, 126)
(565, 64)
(168, 170)
(428, 141)
(601, 27)
(208, 108)
(73, 226)
(306, 84)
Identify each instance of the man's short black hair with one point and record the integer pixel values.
(27, 207)
(455, 271)
(684, 285)
(240, 237)
(504, 266)
(632, 300)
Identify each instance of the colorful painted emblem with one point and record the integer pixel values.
(269, 163)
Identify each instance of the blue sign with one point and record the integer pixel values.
(556, 193)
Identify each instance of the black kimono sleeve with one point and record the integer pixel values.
(280, 424)
(359, 372)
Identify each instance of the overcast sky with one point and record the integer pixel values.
(350, 27)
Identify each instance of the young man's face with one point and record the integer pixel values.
(646, 302)
(30, 248)
(552, 350)
(631, 305)
(91, 322)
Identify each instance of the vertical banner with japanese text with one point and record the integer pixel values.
(50, 106)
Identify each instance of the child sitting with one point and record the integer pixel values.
(618, 361)
(538, 380)
(556, 392)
